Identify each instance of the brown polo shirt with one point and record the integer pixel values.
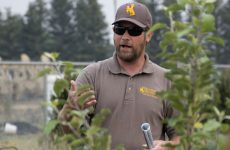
(131, 99)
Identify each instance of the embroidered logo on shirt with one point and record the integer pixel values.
(147, 91)
(130, 10)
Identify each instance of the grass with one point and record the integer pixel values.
(22, 142)
(28, 142)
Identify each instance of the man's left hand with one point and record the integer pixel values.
(161, 145)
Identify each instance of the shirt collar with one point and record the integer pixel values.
(115, 68)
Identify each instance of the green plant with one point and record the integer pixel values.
(81, 134)
(193, 77)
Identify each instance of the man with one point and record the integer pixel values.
(127, 84)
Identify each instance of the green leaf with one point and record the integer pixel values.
(67, 137)
(196, 22)
(216, 111)
(81, 114)
(180, 25)
(209, 8)
(224, 127)
(83, 93)
(76, 121)
(157, 26)
(207, 23)
(184, 32)
(77, 142)
(50, 126)
(92, 130)
(100, 117)
(210, 1)
(178, 105)
(53, 56)
(82, 99)
(83, 88)
(60, 85)
(227, 117)
(168, 38)
(174, 8)
(182, 2)
(44, 72)
(196, 12)
(169, 64)
(204, 59)
(68, 64)
(211, 125)
(215, 39)
(102, 143)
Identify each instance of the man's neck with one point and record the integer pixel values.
(133, 67)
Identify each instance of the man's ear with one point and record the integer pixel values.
(149, 36)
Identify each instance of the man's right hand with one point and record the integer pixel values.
(72, 102)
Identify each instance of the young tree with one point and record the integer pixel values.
(193, 78)
(91, 36)
(35, 36)
(158, 15)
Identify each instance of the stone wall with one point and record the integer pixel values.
(22, 95)
(18, 83)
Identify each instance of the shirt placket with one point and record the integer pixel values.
(130, 90)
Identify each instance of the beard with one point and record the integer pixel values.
(130, 55)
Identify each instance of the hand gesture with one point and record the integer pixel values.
(77, 99)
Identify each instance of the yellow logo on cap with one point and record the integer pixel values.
(147, 91)
(130, 10)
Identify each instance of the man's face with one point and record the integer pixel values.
(129, 47)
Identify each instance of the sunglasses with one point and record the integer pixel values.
(133, 31)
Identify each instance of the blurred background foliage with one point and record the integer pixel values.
(75, 29)
(78, 30)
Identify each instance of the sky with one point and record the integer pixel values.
(21, 6)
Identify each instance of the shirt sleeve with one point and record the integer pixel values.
(87, 75)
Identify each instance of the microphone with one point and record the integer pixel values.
(145, 127)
